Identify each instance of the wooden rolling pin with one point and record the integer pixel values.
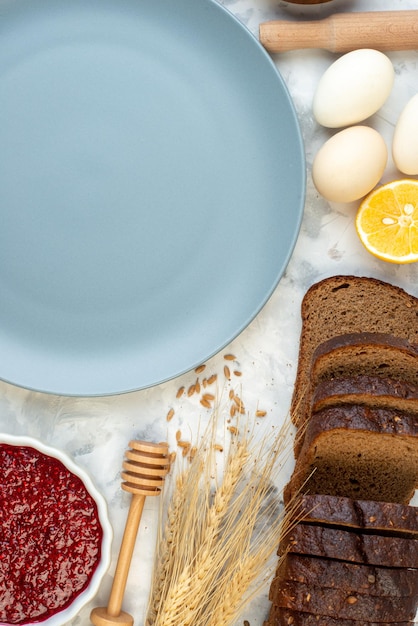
(343, 32)
(145, 468)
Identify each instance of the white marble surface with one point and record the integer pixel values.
(96, 431)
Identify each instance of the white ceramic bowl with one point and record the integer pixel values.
(63, 616)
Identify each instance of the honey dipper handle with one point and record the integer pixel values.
(343, 32)
(125, 555)
(112, 615)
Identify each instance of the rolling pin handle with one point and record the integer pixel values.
(344, 32)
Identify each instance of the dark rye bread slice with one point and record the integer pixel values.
(338, 603)
(373, 391)
(280, 616)
(349, 304)
(378, 354)
(352, 577)
(386, 517)
(352, 354)
(358, 452)
(354, 547)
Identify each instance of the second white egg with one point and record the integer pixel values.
(405, 139)
(353, 88)
(350, 164)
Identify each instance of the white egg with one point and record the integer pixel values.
(405, 139)
(353, 88)
(350, 164)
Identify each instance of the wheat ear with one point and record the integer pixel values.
(220, 534)
(167, 545)
(187, 594)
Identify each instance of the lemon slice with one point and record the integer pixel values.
(387, 221)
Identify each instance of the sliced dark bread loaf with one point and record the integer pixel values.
(358, 452)
(349, 304)
(385, 517)
(373, 391)
(352, 354)
(346, 545)
(280, 616)
(351, 577)
(337, 603)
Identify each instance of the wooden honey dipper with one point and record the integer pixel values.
(144, 469)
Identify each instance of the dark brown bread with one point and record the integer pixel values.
(353, 354)
(337, 603)
(385, 517)
(360, 453)
(349, 304)
(376, 354)
(373, 391)
(355, 547)
(280, 616)
(350, 577)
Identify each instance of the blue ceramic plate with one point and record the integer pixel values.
(152, 182)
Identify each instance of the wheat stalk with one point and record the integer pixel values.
(167, 543)
(172, 548)
(249, 566)
(184, 599)
(219, 534)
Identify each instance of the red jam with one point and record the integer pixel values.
(50, 537)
